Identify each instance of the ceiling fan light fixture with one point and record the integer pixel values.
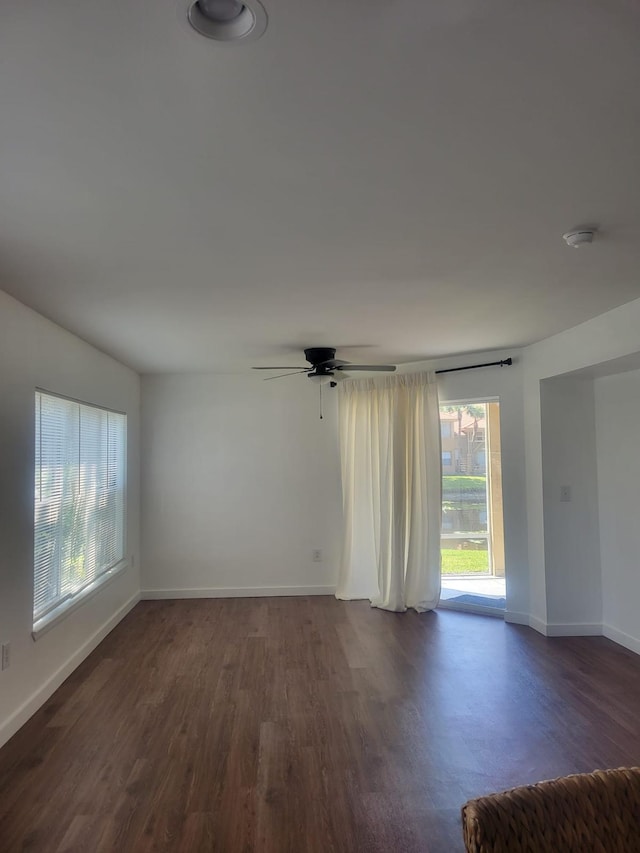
(321, 378)
(228, 20)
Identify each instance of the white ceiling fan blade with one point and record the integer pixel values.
(281, 375)
(388, 368)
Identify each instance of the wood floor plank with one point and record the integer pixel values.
(298, 725)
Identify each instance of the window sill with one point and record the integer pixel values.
(46, 623)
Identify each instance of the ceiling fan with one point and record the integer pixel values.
(324, 366)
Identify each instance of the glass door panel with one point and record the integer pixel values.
(472, 539)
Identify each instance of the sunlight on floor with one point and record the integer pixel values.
(487, 591)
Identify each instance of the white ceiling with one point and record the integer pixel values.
(394, 175)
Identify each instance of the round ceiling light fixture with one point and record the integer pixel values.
(581, 237)
(320, 378)
(228, 20)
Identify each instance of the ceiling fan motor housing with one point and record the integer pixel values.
(321, 359)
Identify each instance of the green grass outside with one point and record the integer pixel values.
(456, 562)
(462, 484)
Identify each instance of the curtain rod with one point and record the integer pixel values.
(507, 361)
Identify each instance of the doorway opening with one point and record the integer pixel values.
(472, 537)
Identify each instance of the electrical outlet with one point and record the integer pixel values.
(316, 555)
(6, 655)
(565, 493)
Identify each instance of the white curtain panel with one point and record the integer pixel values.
(391, 485)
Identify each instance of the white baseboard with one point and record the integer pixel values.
(538, 625)
(566, 629)
(574, 629)
(239, 592)
(626, 640)
(586, 629)
(516, 618)
(37, 699)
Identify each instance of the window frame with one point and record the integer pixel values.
(62, 608)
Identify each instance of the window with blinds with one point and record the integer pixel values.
(79, 498)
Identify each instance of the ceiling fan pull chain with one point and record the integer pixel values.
(320, 402)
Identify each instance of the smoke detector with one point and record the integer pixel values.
(581, 237)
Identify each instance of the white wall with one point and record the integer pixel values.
(241, 481)
(36, 353)
(617, 400)
(593, 349)
(572, 543)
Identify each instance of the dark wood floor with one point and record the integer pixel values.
(298, 725)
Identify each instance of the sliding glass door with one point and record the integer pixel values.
(472, 539)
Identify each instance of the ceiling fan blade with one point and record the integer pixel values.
(281, 375)
(388, 368)
(282, 367)
(332, 363)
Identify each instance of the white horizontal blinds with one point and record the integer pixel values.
(81, 566)
(113, 543)
(79, 498)
(56, 490)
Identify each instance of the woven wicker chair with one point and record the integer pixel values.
(587, 813)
